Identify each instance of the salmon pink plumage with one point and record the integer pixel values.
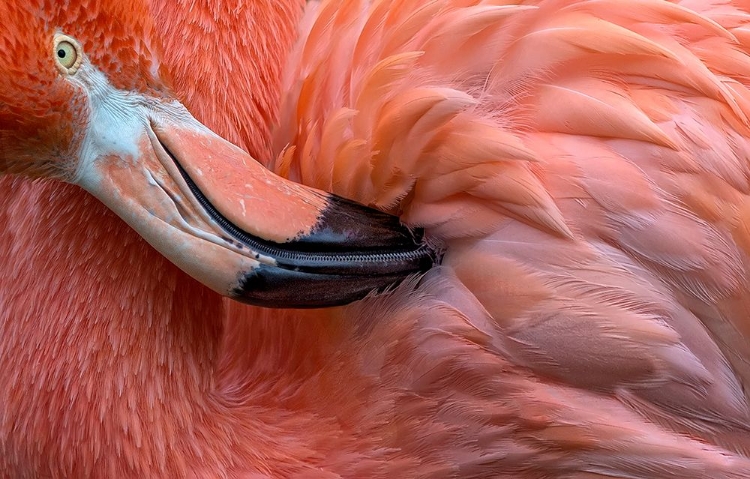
(585, 164)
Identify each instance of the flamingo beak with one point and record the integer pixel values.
(245, 232)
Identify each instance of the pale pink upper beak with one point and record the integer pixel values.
(243, 231)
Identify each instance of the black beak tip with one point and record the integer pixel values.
(351, 251)
(326, 285)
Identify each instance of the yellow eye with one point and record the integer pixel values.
(67, 54)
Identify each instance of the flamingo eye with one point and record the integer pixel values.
(67, 54)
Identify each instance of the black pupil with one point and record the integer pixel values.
(61, 53)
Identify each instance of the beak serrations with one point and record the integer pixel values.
(351, 251)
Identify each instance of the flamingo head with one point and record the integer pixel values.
(85, 99)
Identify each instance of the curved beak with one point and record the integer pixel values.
(241, 230)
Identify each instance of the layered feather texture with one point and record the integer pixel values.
(586, 165)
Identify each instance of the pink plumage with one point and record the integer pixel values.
(585, 164)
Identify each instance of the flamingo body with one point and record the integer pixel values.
(585, 165)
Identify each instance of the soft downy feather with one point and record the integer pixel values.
(587, 164)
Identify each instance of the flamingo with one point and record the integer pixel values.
(584, 165)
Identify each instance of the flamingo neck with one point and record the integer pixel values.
(119, 366)
(240, 62)
(110, 347)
